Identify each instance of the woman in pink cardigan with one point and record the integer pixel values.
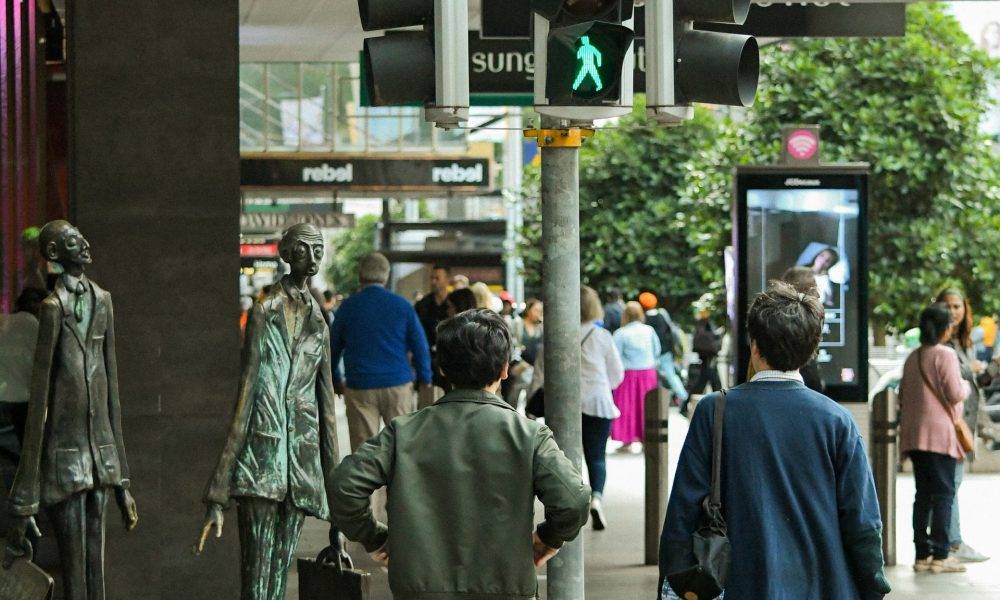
(931, 381)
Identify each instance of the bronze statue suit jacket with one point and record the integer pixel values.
(283, 438)
(73, 437)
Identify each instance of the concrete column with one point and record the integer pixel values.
(154, 185)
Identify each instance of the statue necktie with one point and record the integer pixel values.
(78, 305)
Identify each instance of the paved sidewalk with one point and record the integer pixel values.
(614, 557)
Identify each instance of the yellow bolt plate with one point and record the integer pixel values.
(559, 138)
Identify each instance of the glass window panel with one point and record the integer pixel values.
(317, 95)
(382, 126)
(252, 106)
(349, 128)
(283, 106)
(414, 131)
(451, 139)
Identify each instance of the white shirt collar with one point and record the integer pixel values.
(773, 375)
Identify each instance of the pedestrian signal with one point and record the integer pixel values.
(584, 58)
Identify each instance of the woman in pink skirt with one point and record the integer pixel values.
(639, 348)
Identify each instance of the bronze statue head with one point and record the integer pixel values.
(301, 247)
(61, 242)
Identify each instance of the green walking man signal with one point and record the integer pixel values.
(589, 58)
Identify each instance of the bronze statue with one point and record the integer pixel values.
(73, 455)
(282, 444)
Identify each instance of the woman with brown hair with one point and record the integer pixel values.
(961, 342)
(600, 372)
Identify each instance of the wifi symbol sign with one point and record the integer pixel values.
(802, 144)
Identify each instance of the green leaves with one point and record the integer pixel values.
(655, 203)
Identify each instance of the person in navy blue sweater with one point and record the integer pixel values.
(376, 332)
(797, 490)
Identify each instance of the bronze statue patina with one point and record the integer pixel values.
(282, 444)
(73, 456)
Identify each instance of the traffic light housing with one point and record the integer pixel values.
(429, 67)
(584, 58)
(684, 65)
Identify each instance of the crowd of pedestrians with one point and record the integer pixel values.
(445, 400)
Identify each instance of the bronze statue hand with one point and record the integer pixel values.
(213, 518)
(126, 504)
(17, 545)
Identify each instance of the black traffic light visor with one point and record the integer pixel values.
(717, 68)
(714, 11)
(399, 68)
(566, 12)
(389, 14)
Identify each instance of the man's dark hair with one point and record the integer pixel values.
(614, 295)
(787, 326)
(934, 321)
(444, 268)
(30, 300)
(472, 348)
(327, 295)
(462, 299)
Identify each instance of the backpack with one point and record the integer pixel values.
(658, 321)
(706, 342)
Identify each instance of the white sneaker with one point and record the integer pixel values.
(922, 565)
(967, 554)
(597, 518)
(948, 565)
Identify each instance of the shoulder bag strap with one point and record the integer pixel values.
(934, 390)
(720, 411)
(587, 337)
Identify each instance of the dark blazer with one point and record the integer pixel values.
(283, 437)
(73, 437)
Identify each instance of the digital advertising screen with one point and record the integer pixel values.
(814, 218)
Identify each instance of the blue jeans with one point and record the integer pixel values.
(955, 528)
(595, 442)
(667, 370)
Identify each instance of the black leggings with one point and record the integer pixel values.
(595, 441)
(934, 475)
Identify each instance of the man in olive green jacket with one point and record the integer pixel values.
(462, 477)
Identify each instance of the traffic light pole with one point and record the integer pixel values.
(560, 150)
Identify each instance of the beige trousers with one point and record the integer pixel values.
(365, 408)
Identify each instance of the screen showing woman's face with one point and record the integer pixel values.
(956, 306)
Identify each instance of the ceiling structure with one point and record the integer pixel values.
(305, 30)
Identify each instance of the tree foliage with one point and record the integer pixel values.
(912, 108)
(655, 203)
(348, 247)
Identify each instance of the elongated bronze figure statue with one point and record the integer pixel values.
(74, 455)
(282, 444)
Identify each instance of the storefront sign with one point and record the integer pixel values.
(275, 221)
(258, 250)
(375, 174)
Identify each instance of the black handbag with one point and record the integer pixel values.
(707, 579)
(22, 580)
(332, 576)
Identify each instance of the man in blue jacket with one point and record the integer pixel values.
(376, 332)
(797, 491)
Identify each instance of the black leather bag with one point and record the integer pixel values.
(22, 580)
(707, 579)
(332, 576)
